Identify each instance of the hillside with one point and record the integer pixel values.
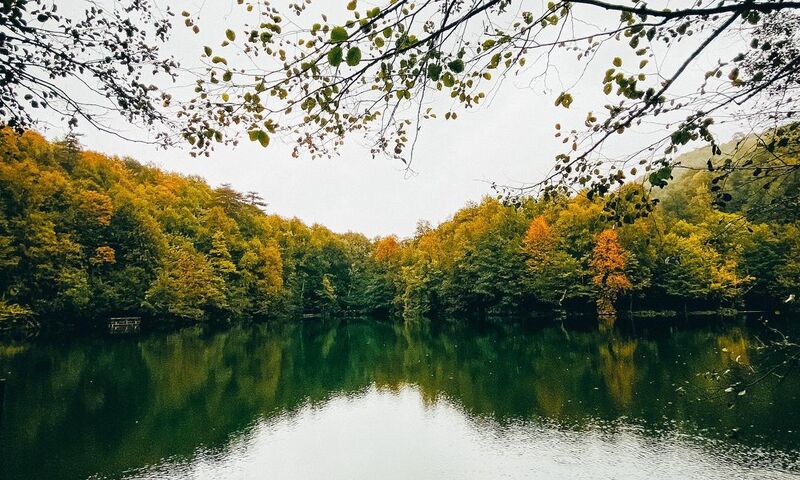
(84, 236)
(87, 236)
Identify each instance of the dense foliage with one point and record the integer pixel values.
(84, 236)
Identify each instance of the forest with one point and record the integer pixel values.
(85, 236)
(604, 280)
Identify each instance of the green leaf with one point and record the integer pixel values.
(339, 34)
(617, 62)
(565, 100)
(260, 136)
(352, 5)
(457, 65)
(263, 139)
(219, 60)
(495, 61)
(659, 177)
(230, 34)
(434, 71)
(207, 51)
(681, 137)
(448, 80)
(335, 56)
(379, 42)
(353, 56)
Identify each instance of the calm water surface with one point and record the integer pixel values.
(372, 401)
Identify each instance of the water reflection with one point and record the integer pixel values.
(366, 400)
(346, 438)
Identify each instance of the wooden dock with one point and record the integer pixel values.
(124, 324)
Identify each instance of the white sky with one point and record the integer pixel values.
(508, 140)
(453, 162)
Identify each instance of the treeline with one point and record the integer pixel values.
(84, 236)
(692, 248)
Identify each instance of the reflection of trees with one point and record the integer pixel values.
(618, 366)
(605, 321)
(733, 346)
(112, 406)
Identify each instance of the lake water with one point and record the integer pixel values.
(360, 400)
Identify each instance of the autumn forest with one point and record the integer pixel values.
(85, 236)
(396, 239)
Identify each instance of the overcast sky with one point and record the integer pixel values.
(508, 140)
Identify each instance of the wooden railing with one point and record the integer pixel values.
(124, 324)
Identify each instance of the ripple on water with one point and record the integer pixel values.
(381, 434)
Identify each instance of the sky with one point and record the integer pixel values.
(508, 140)
(454, 163)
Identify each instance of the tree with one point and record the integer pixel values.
(256, 200)
(373, 72)
(608, 267)
(789, 272)
(220, 257)
(539, 239)
(84, 64)
(766, 255)
(223, 267)
(13, 313)
(229, 199)
(554, 274)
(383, 276)
(387, 249)
(693, 270)
(84, 237)
(185, 286)
(262, 272)
(329, 295)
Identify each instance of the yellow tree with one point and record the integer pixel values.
(261, 269)
(387, 249)
(608, 268)
(95, 207)
(554, 274)
(539, 239)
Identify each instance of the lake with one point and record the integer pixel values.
(375, 400)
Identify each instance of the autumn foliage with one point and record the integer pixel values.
(387, 249)
(608, 268)
(539, 237)
(84, 236)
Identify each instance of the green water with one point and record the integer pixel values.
(361, 400)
